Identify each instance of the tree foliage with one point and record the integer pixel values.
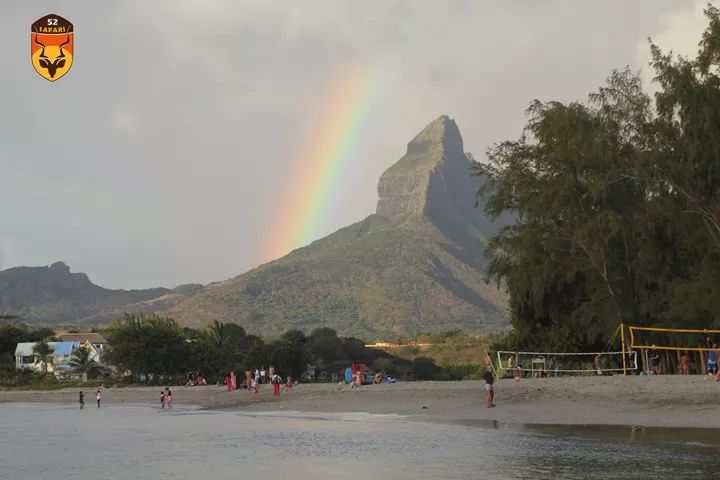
(44, 353)
(81, 361)
(617, 203)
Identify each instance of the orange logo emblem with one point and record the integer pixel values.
(51, 46)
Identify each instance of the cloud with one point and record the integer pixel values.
(184, 121)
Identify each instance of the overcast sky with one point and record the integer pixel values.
(166, 153)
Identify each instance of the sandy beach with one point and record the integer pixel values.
(663, 401)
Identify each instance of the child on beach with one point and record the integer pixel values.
(162, 398)
(169, 397)
(82, 400)
(98, 397)
(289, 384)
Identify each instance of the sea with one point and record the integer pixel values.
(54, 441)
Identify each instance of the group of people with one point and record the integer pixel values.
(166, 398)
(195, 379)
(98, 398)
(252, 381)
(354, 376)
(683, 365)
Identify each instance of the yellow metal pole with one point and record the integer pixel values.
(622, 344)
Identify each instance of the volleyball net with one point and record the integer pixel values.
(566, 362)
(676, 339)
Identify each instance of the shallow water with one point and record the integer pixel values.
(40, 441)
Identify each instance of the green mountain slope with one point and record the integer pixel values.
(415, 265)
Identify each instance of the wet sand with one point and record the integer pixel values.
(662, 401)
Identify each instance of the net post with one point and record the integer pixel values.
(622, 347)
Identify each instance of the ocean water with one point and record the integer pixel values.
(41, 441)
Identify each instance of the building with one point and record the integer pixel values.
(63, 354)
(94, 339)
(60, 355)
(26, 359)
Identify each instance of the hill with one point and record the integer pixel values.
(415, 265)
(55, 295)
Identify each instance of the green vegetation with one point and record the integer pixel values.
(449, 348)
(155, 349)
(158, 348)
(373, 279)
(618, 207)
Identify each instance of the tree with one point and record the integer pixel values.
(617, 204)
(44, 354)
(82, 363)
(149, 345)
(324, 343)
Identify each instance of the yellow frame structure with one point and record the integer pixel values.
(632, 329)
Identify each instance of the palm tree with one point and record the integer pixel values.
(216, 334)
(82, 363)
(43, 352)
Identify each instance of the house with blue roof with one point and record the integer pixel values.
(61, 355)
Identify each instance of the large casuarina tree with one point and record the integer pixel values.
(617, 201)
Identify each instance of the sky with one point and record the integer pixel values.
(172, 150)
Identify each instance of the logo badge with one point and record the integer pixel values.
(51, 46)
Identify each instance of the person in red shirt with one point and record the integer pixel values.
(276, 381)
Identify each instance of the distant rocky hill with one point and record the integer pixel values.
(54, 295)
(415, 265)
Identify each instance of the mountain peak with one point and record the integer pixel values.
(60, 266)
(440, 133)
(434, 158)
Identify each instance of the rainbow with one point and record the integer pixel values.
(322, 167)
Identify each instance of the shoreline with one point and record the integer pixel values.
(655, 401)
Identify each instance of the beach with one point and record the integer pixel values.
(657, 401)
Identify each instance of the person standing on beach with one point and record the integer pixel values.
(98, 397)
(518, 366)
(169, 397)
(596, 362)
(162, 398)
(654, 358)
(684, 363)
(82, 400)
(489, 380)
(276, 385)
(712, 364)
